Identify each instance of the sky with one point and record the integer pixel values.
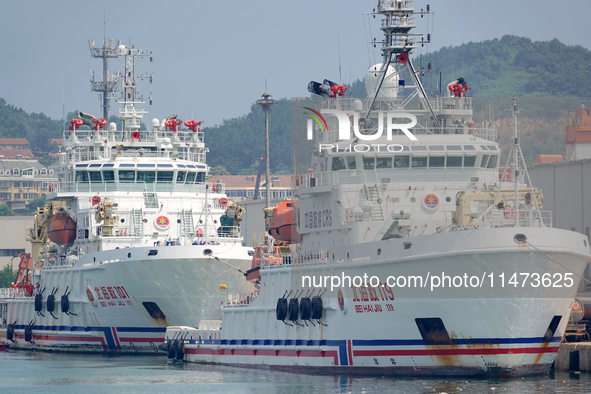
(212, 58)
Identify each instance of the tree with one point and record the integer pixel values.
(37, 203)
(219, 170)
(5, 211)
(6, 277)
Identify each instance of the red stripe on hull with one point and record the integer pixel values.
(256, 352)
(453, 352)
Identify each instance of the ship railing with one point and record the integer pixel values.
(274, 260)
(397, 22)
(59, 262)
(126, 136)
(240, 299)
(309, 257)
(79, 155)
(385, 175)
(9, 293)
(393, 5)
(143, 187)
(527, 218)
(383, 104)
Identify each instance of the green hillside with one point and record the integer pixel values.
(514, 66)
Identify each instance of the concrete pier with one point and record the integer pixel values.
(567, 357)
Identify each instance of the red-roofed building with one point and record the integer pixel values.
(241, 187)
(14, 143)
(16, 154)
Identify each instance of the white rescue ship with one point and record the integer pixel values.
(405, 256)
(132, 238)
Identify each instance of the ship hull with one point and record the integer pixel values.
(464, 331)
(123, 299)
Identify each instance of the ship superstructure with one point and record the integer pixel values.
(132, 238)
(411, 251)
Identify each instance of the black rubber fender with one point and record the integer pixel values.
(316, 308)
(281, 311)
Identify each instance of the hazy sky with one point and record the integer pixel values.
(211, 58)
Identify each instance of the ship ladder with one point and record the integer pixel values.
(372, 194)
(187, 226)
(137, 222)
(151, 200)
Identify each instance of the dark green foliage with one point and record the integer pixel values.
(7, 276)
(237, 144)
(5, 211)
(514, 66)
(38, 129)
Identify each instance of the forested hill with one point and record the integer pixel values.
(495, 68)
(513, 66)
(38, 129)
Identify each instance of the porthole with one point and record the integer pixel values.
(407, 245)
(412, 199)
(178, 221)
(448, 199)
(379, 252)
(208, 252)
(152, 252)
(129, 255)
(122, 220)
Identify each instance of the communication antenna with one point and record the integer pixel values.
(108, 85)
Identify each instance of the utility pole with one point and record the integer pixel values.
(266, 104)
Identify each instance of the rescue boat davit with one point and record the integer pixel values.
(62, 229)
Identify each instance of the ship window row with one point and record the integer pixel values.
(414, 161)
(139, 165)
(133, 176)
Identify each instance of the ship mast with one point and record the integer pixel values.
(109, 83)
(399, 43)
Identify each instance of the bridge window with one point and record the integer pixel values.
(419, 162)
(401, 161)
(469, 161)
(190, 177)
(81, 176)
(180, 176)
(351, 162)
(165, 176)
(492, 163)
(368, 163)
(454, 161)
(437, 161)
(126, 176)
(384, 162)
(484, 161)
(200, 177)
(338, 163)
(109, 176)
(95, 176)
(146, 176)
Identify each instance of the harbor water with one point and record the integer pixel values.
(47, 373)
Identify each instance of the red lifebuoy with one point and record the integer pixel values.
(135, 135)
(96, 200)
(403, 58)
(223, 201)
(200, 232)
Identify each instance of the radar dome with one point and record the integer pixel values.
(113, 126)
(121, 50)
(372, 80)
(155, 123)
